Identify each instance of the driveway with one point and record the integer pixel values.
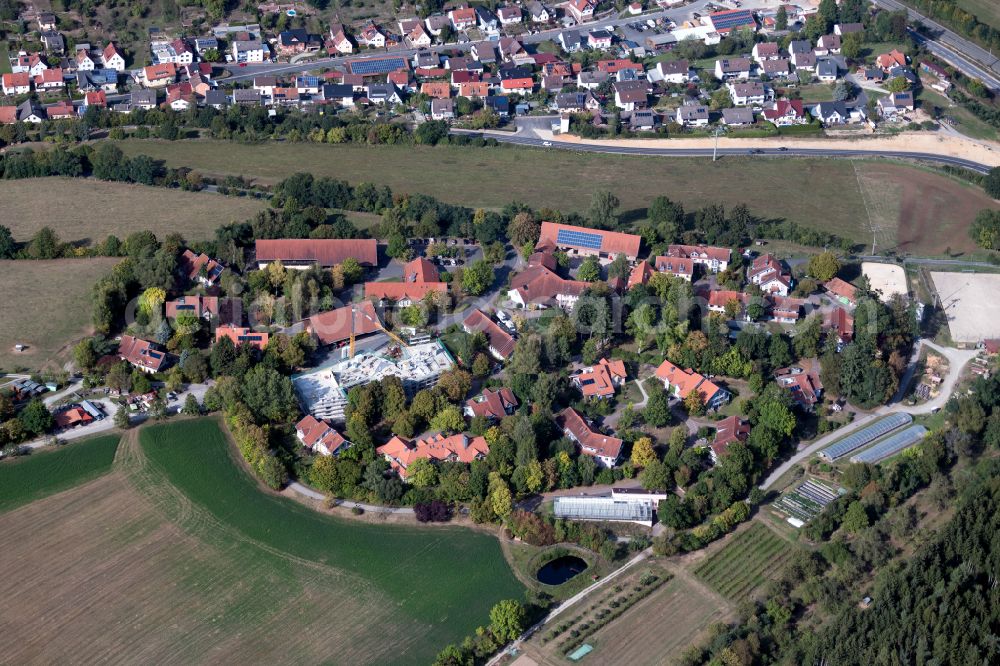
(370, 508)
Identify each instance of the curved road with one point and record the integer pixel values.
(521, 140)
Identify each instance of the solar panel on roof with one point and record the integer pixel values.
(579, 239)
(870, 433)
(891, 445)
(733, 19)
(380, 66)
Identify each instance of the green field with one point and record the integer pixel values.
(987, 11)
(439, 583)
(744, 563)
(24, 480)
(4, 58)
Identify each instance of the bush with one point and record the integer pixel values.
(435, 511)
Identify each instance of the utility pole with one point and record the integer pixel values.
(715, 150)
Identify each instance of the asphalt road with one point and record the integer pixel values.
(970, 58)
(520, 140)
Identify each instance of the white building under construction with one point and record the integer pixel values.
(323, 392)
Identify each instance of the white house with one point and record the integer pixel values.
(112, 58)
(674, 71)
(694, 115)
(752, 93)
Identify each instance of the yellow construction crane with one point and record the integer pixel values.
(392, 336)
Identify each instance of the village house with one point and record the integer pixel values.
(16, 84)
(143, 354)
(604, 449)
(112, 58)
(62, 110)
(499, 342)
(199, 307)
(887, 61)
(765, 51)
(599, 40)
(199, 267)
(630, 95)
(827, 45)
(570, 41)
(372, 37)
(714, 259)
(510, 15)
(337, 325)
(297, 40)
(784, 112)
(301, 254)
(805, 62)
(728, 431)
(462, 18)
(84, 63)
(682, 267)
(827, 71)
(785, 309)
(733, 68)
(803, 384)
(842, 291)
(97, 98)
(319, 437)
(401, 453)
(693, 115)
(601, 379)
(404, 294)
(442, 109)
(584, 241)
(738, 117)
(839, 322)
(778, 68)
(53, 42)
(681, 383)
(30, 111)
(248, 51)
(539, 286)
(539, 12)
(752, 93)
(671, 71)
(339, 41)
(240, 335)
(581, 10)
(159, 76)
(492, 405)
(832, 113)
(726, 301)
(487, 21)
(770, 274)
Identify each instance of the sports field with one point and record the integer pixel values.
(46, 306)
(86, 211)
(745, 562)
(44, 473)
(177, 556)
(826, 194)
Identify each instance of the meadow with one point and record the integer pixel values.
(46, 306)
(44, 473)
(86, 211)
(743, 564)
(820, 193)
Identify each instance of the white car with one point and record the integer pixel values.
(547, 144)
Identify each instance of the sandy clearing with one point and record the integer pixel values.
(890, 279)
(907, 142)
(970, 303)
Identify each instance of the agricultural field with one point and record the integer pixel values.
(44, 473)
(178, 556)
(47, 308)
(836, 190)
(803, 503)
(659, 628)
(86, 211)
(987, 11)
(743, 564)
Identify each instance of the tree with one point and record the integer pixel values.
(781, 19)
(269, 394)
(499, 497)
(7, 245)
(721, 99)
(121, 417)
(36, 418)
(856, 518)
(824, 266)
(507, 620)
(898, 84)
(477, 277)
(191, 405)
(603, 213)
(656, 476)
(850, 46)
(657, 410)
(449, 420)
(842, 90)
(590, 270)
(422, 473)
(523, 230)
(643, 454)
(694, 403)
(480, 365)
(455, 384)
(44, 244)
(84, 354)
(991, 184)
(985, 229)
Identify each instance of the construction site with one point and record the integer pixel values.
(323, 392)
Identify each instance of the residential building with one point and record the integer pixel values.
(570, 41)
(319, 437)
(112, 58)
(832, 113)
(539, 12)
(16, 84)
(244, 97)
(301, 254)
(61, 111)
(297, 40)
(605, 449)
(339, 42)
(599, 40)
(739, 117)
(805, 62)
(784, 112)
(196, 267)
(372, 37)
(728, 431)
(539, 286)
(84, 63)
(404, 294)
(199, 307)
(681, 267)
(240, 335)
(159, 76)
(887, 61)
(640, 274)
(401, 453)
(601, 379)
(826, 70)
(499, 342)
(778, 68)
(839, 322)
(733, 68)
(248, 51)
(724, 22)
(462, 18)
(492, 404)
(581, 10)
(630, 95)
(147, 356)
(803, 384)
(827, 45)
(510, 15)
(672, 71)
(693, 115)
(337, 325)
(714, 259)
(50, 79)
(53, 42)
(30, 111)
(681, 383)
(770, 274)
(842, 291)
(584, 241)
(765, 51)
(751, 93)
(442, 109)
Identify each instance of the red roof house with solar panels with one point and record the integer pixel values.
(732, 19)
(591, 242)
(242, 336)
(143, 354)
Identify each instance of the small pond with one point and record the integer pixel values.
(561, 569)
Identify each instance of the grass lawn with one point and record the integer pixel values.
(963, 120)
(24, 480)
(817, 92)
(87, 211)
(4, 58)
(987, 11)
(46, 306)
(494, 177)
(439, 582)
(744, 563)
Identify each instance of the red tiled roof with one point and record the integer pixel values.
(397, 291)
(242, 336)
(591, 443)
(601, 379)
(401, 453)
(191, 264)
(615, 66)
(492, 404)
(110, 51)
(192, 305)
(95, 98)
(335, 325)
(62, 109)
(438, 89)
(166, 70)
(142, 353)
(700, 252)
(728, 431)
(499, 339)
(539, 284)
(804, 385)
(420, 270)
(72, 417)
(54, 75)
(325, 252)
(640, 274)
(612, 242)
(839, 320)
(19, 80)
(681, 266)
(841, 288)
(720, 298)
(314, 433)
(8, 114)
(782, 107)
